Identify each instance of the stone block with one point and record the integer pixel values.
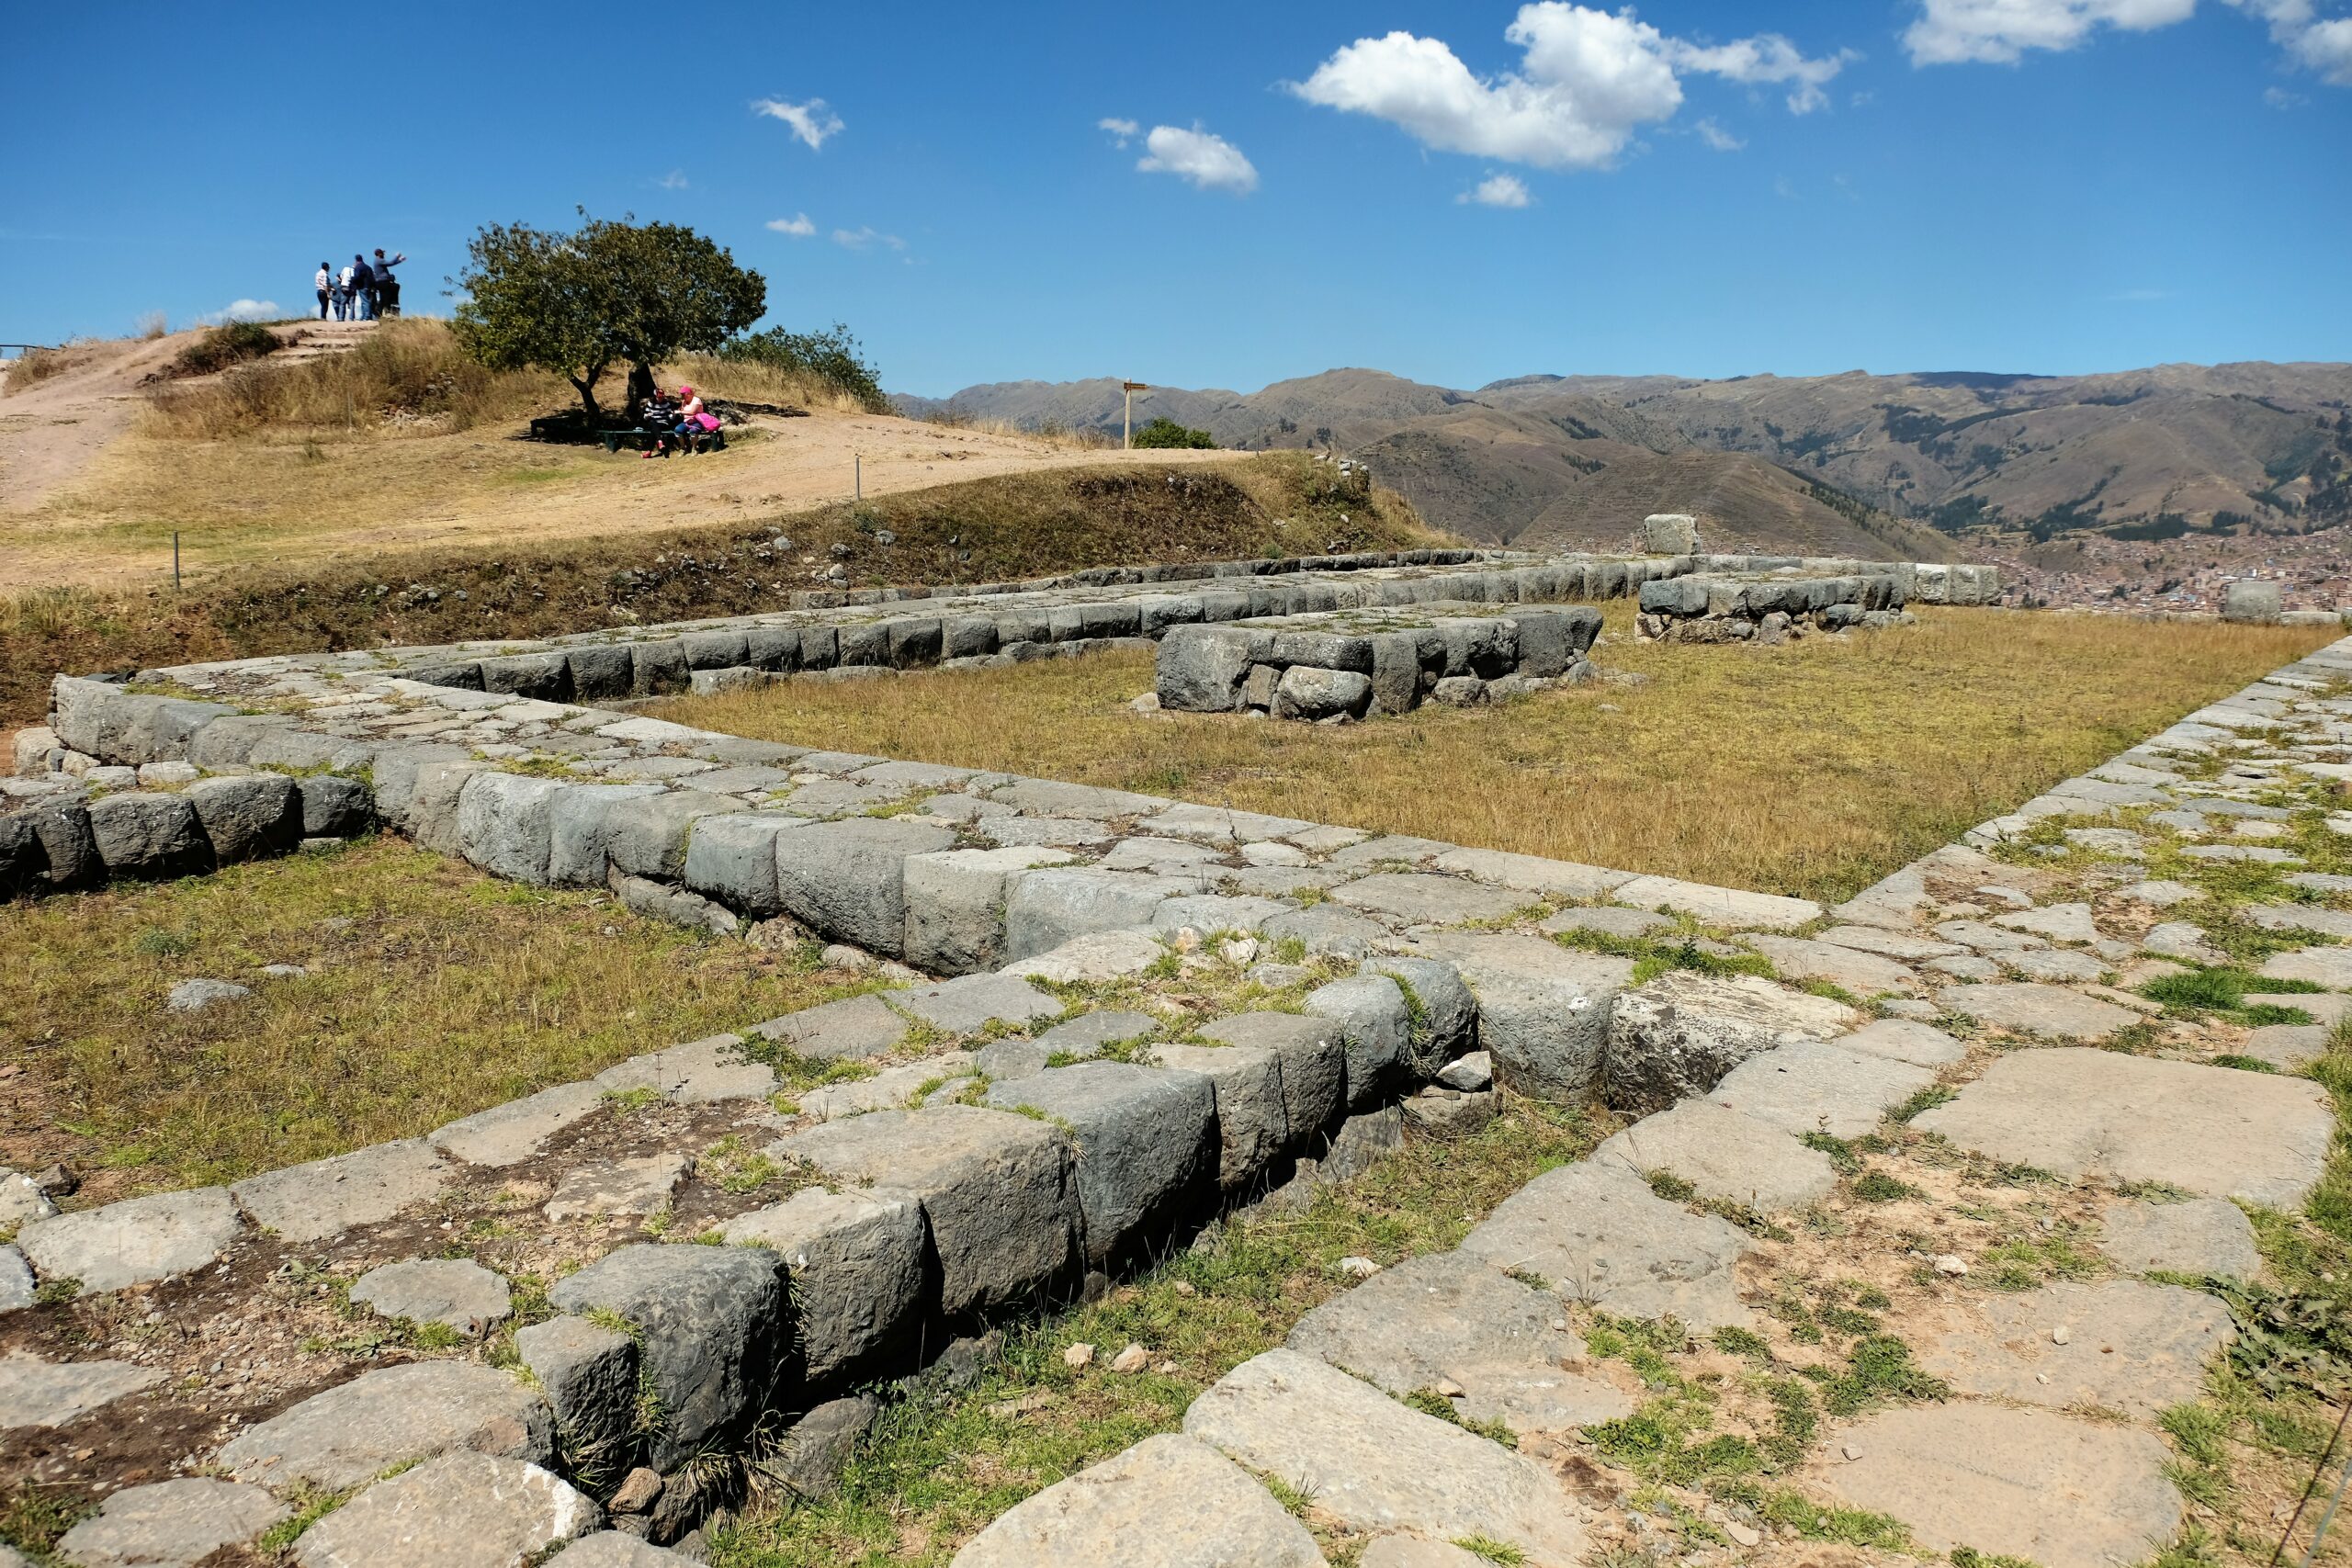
(1374, 1465)
(854, 1261)
(956, 904)
(1544, 1010)
(1146, 1143)
(589, 1373)
(579, 830)
(1046, 908)
(732, 856)
(657, 667)
(838, 1031)
(1725, 1156)
(324, 1198)
(1200, 667)
(149, 835)
(463, 1509)
(544, 676)
(977, 1003)
(1167, 1502)
(710, 1328)
(1441, 1016)
(1314, 1064)
(1810, 1086)
(1670, 533)
(451, 1290)
(504, 824)
(169, 1524)
(351, 1433)
(2199, 1236)
(1678, 1036)
(2252, 600)
(996, 1188)
(336, 806)
(847, 879)
(132, 1242)
(1449, 1319)
(602, 673)
(1307, 692)
(1374, 1023)
(248, 817)
(1596, 1233)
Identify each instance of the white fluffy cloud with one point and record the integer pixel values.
(1588, 80)
(1498, 190)
(244, 310)
(813, 122)
(1122, 130)
(798, 225)
(1952, 32)
(860, 239)
(1716, 137)
(1209, 161)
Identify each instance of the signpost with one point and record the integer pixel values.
(1128, 410)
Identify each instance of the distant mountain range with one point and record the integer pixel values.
(1841, 464)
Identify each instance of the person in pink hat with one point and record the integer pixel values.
(693, 420)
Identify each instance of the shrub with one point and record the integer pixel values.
(37, 365)
(832, 357)
(231, 343)
(1164, 432)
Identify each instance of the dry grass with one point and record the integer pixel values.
(406, 375)
(742, 380)
(433, 991)
(300, 587)
(35, 365)
(1084, 438)
(1812, 769)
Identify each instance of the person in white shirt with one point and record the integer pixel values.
(343, 290)
(325, 281)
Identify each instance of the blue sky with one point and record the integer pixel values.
(1708, 188)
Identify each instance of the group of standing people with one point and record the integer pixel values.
(361, 292)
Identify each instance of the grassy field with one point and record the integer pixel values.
(1811, 768)
(432, 991)
(1010, 526)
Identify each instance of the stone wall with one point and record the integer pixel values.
(1334, 667)
(1770, 607)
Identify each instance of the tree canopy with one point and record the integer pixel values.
(614, 292)
(1164, 432)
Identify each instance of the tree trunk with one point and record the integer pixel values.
(641, 384)
(586, 387)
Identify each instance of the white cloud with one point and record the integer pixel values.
(1498, 190)
(1122, 130)
(243, 310)
(1716, 137)
(813, 122)
(674, 180)
(1952, 32)
(798, 225)
(1587, 79)
(2279, 98)
(859, 238)
(1209, 161)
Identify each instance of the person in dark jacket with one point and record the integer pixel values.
(362, 287)
(388, 288)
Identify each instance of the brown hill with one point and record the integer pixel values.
(1824, 462)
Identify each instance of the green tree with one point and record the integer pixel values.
(614, 292)
(1164, 432)
(834, 356)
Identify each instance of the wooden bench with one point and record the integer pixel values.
(638, 440)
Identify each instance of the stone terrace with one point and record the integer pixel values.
(1167, 1010)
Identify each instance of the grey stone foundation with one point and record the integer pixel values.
(1349, 665)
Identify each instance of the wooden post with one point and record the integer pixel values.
(858, 468)
(176, 559)
(1128, 412)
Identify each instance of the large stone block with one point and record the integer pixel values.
(2252, 599)
(589, 1373)
(133, 1241)
(248, 817)
(647, 836)
(1596, 1233)
(1308, 692)
(461, 1508)
(1374, 1024)
(324, 1198)
(1678, 1036)
(1314, 1061)
(997, 1190)
(956, 905)
(1200, 667)
(1046, 908)
(855, 1261)
(579, 832)
(149, 835)
(1146, 1147)
(847, 879)
(167, 1524)
(1441, 1016)
(732, 856)
(353, 1432)
(1169, 1502)
(710, 1328)
(505, 823)
(1377, 1466)
(1544, 1009)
